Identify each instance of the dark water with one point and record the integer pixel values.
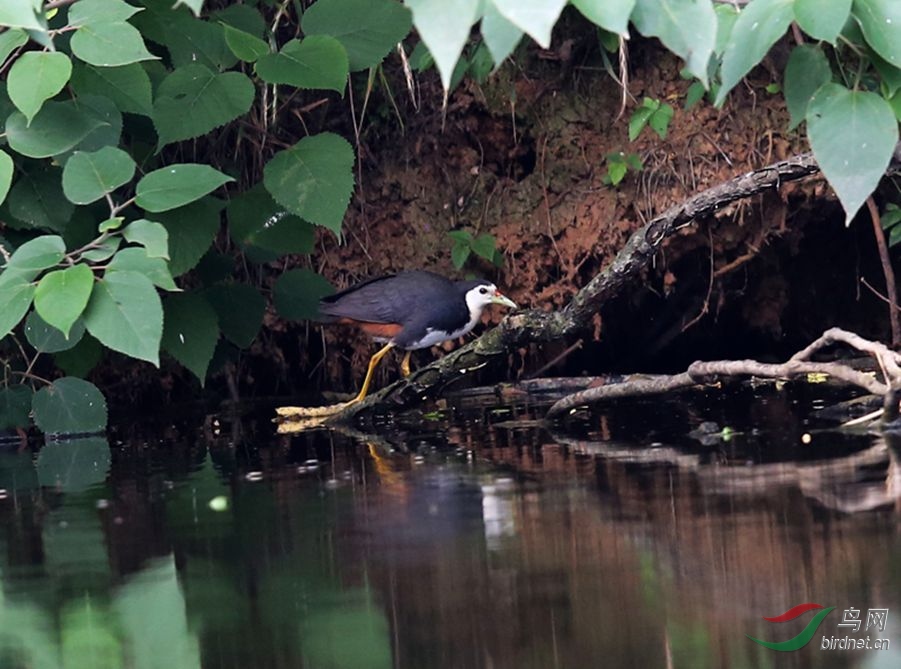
(489, 542)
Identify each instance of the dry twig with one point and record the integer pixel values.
(800, 364)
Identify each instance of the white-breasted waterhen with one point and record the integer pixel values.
(410, 310)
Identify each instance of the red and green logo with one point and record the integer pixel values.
(806, 634)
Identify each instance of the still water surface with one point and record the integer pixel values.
(473, 538)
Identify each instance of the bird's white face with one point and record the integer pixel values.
(481, 296)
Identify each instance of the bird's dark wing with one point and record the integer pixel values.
(388, 299)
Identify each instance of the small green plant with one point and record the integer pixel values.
(619, 163)
(484, 246)
(891, 218)
(694, 94)
(653, 113)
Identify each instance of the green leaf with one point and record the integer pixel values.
(109, 120)
(215, 267)
(888, 73)
(58, 127)
(297, 293)
(103, 250)
(110, 44)
(47, 339)
(69, 406)
(462, 236)
(88, 176)
(191, 332)
(895, 236)
(694, 94)
(125, 314)
(193, 100)
(242, 17)
(807, 70)
(37, 255)
(6, 174)
(726, 16)
(37, 200)
(314, 179)
(80, 360)
(484, 246)
(686, 27)
(880, 21)
(612, 16)
(136, 260)
(10, 40)
(177, 185)
(444, 28)
(639, 120)
(500, 36)
(822, 19)
(460, 254)
(16, 292)
(367, 29)
(86, 12)
(151, 235)
(191, 231)
(616, 171)
(757, 28)
(128, 86)
(240, 310)
(62, 296)
(421, 60)
(194, 5)
(853, 135)
(19, 14)
(111, 224)
(895, 103)
(35, 77)
(192, 41)
(535, 17)
(245, 46)
(319, 61)
(256, 220)
(15, 406)
(660, 119)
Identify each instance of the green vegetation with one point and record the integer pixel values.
(135, 131)
(651, 113)
(465, 245)
(619, 163)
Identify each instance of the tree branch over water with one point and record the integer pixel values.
(535, 325)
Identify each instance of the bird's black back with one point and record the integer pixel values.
(397, 298)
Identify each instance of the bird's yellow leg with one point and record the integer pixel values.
(405, 364)
(373, 363)
(296, 419)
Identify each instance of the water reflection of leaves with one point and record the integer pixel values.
(347, 635)
(17, 473)
(89, 636)
(144, 627)
(151, 610)
(74, 465)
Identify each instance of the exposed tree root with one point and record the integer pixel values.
(698, 373)
(534, 325)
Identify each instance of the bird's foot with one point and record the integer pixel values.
(298, 419)
(291, 413)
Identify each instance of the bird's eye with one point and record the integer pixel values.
(483, 291)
